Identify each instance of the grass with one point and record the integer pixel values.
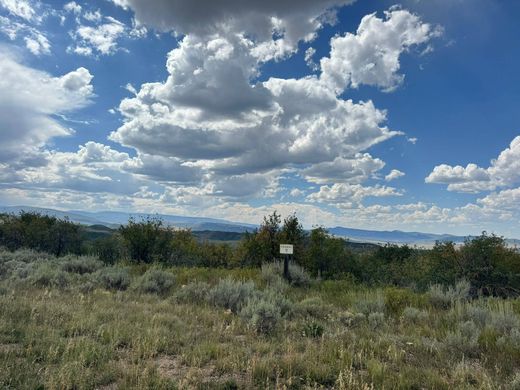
(335, 335)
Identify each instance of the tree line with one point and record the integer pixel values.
(485, 261)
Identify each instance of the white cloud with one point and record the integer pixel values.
(349, 195)
(292, 20)
(35, 41)
(503, 171)
(29, 100)
(72, 7)
(20, 8)
(352, 170)
(309, 53)
(101, 39)
(38, 44)
(93, 16)
(371, 56)
(210, 113)
(394, 174)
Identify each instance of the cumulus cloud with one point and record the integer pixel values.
(353, 170)
(348, 195)
(35, 40)
(38, 44)
(394, 174)
(289, 19)
(100, 39)
(371, 56)
(504, 171)
(163, 169)
(212, 112)
(21, 8)
(29, 101)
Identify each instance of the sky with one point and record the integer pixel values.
(369, 114)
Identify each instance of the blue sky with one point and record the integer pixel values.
(368, 114)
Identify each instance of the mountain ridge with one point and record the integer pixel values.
(114, 219)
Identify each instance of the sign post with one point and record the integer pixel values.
(286, 250)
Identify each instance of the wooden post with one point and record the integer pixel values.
(286, 274)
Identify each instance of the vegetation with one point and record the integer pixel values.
(174, 312)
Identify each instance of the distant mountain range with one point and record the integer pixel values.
(114, 219)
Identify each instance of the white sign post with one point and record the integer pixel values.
(286, 249)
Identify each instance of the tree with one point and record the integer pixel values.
(40, 232)
(292, 233)
(147, 240)
(269, 233)
(443, 264)
(490, 266)
(328, 256)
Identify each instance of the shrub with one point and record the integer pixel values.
(351, 319)
(299, 277)
(155, 281)
(195, 292)
(504, 321)
(24, 255)
(411, 315)
(272, 276)
(512, 340)
(396, 300)
(278, 299)
(376, 320)
(464, 340)
(313, 307)
(80, 265)
(114, 278)
(313, 329)
(514, 382)
(262, 315)
(232, 295)
(271, 272)
(481, 316)
(471, 375)
(371, 304)
(442, 298)
(438, 297)
(46, 275)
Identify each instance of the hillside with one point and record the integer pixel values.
(114, 219)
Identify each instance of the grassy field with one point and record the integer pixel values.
(72, 323)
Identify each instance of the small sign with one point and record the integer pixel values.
(286, 249)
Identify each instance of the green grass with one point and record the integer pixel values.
(58, 337)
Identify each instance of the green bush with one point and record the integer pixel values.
(313, 307)
(195, 292)
(80, 265)
(155, 281)
(396, 300)
(464, 339)
(231, 294)
(376, 320)
(262, 315)
(414, 316)
(504, 322)
(351, 320)
(371, 304)
(114, 278)
(313, 329)
(48, 275)
(271, 272)
(442, 298)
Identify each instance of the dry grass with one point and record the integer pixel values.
(61, 338)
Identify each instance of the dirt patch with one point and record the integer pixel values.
(171, 367)
(111, 386)
(10, 348)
